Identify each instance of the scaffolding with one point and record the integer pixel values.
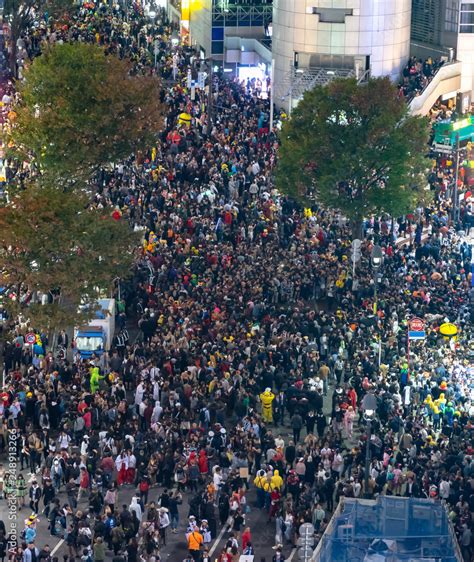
(391, 529)
(298, 81)
(226, 14)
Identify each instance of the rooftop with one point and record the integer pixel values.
(391, 529)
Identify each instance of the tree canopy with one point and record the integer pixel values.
(52, 241)
(354, 148)
(80, 109)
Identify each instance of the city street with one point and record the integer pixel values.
(240, 271)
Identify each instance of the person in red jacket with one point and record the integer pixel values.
(353, 398)
(203, 462)
(87, 418)
(83, 484)
(246, 538)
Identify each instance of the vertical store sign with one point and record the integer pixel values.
(184, 17)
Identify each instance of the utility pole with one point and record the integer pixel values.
(455, 190)
(272, 95)
(377, 260)
(209, 101)
(369, 408)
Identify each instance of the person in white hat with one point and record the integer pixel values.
(136, 507)
(205, 531)
(164, 522)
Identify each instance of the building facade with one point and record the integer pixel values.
(335, 35)
(210, 22)
(446, 27)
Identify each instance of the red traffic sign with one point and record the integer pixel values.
(416, 325)
(30, 338)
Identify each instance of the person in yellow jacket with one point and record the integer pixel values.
(259, 482)
(436, 415)
(277, 480)
(267, 487)
(266, 398)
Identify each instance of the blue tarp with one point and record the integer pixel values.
(392, 529)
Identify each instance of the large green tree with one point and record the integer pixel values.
(54, 241)
(354, 148)
(80, 109)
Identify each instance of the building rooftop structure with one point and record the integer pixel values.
(390, 529)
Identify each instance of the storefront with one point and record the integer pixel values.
(447, 134)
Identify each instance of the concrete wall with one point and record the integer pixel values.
(465, 54)
(200, 24)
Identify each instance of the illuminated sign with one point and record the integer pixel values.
(461, 124)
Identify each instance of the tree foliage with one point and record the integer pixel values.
(354, 148)
(51, 240)
(80, 109)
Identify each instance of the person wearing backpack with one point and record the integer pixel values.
(193, 475)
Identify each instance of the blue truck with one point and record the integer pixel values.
(97, 336)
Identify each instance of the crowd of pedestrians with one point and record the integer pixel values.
(416, 75)
(256, 346)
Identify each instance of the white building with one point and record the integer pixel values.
(314, 37)
(446, 27)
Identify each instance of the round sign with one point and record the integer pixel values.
(307, 540)
(447, 329)
(417, 325)
(30, 338)
(306, 529)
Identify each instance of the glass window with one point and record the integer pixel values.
(217, 33)
(467, 18)
(452, 15)
(332, 15)
(217, 47)
(93, 343)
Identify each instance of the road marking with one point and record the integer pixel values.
(57, 547)
(290, 558)
(218, 540)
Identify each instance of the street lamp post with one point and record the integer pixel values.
(377, 260)
(369, 406)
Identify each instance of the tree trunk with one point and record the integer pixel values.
(357, 226)
(12, 60)
(12, 52)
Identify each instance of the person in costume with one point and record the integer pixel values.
(449, 414)
(30, 528)
(428, 410)
(266, 399)
(95, 379)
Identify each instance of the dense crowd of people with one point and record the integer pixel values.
(256, 346)
(417, 74)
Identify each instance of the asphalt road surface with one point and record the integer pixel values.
(263, 533)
